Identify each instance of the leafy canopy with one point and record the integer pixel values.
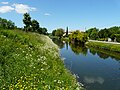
(78, 36)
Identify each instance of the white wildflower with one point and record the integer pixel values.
(42, 69)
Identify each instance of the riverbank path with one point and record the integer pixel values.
(104, 42)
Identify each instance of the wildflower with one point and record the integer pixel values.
(42, 69)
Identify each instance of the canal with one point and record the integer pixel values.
(95, 69)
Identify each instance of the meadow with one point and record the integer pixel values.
(30, 61)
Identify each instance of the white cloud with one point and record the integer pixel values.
(47, 14)
(94, 80)
(5, 9)
(5, 2)
(22, 8)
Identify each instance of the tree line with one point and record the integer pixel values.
(33, 25)
(112, 33)
(74, 37)
(30, 25)
(58, 32)
(6, 24)
(104, 34)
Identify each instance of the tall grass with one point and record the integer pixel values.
(29, 61)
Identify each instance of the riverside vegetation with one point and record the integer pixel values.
(104, 46)
(30, 61)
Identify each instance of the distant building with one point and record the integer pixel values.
(109, 40)
(70, 32)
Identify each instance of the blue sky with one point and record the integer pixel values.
(52, 14)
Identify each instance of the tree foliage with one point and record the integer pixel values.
(43, 31)
(78, 36)
(104, 34)
(53, 32)
(6, 24)
(59, 32)
(117, 37)
(67, 31)
(35, 25)
(27, 22)
(92, 33)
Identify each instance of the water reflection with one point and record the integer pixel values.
(58, 42)
(81, 49)
(78, 48)
(104, 54)
(100, 54)
(91, 80)
(95, 68)
(67, 44)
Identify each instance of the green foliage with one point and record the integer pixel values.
(27, 22)
(104, 53)
(103, 34)
(78, 48)
(104, 46)
(67, 31)
(92, 33)
(65, 39)
(113, 31)
(78, 36)
(31, 61)
(53, 32)
(117, 37)
(44, 31)
(59, 32)
(35, 25)
(6, 24)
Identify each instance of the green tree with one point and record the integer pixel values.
(44, 31)
(35, 25)
(117, 36)
(10, 24)
(104, 33)
(78, 36)
(59, 32)
(27, 22)
(109, 33)
(67, 31)
(112, 31)
(6, 24)
(53, 32)
(93, 33)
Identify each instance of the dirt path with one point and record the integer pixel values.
(104, 42)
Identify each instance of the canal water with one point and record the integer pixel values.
(95, 69)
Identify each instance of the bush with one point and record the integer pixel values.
(78, 36)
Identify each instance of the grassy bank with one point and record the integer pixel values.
(29, 61)
(65, 39)
(104, 53)
(104, 46)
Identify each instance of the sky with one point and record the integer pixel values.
(53, 14)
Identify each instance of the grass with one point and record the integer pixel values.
(29, 61)
(104, 46)
(65, 39)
